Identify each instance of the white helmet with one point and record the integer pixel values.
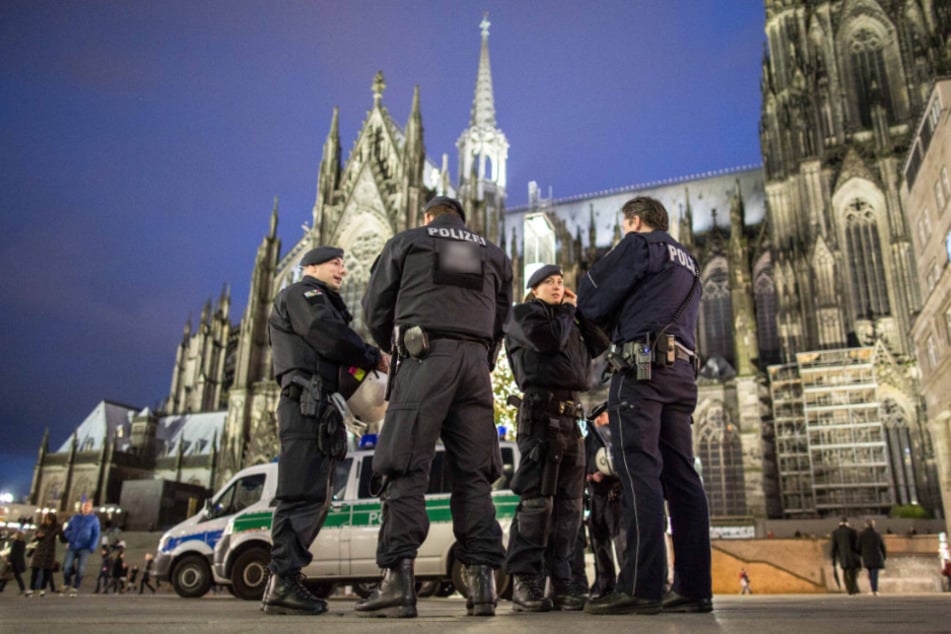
(365, 404)
(604, 462)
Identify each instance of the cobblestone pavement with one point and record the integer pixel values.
(762, 614)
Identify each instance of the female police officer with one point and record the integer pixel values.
(550, 346)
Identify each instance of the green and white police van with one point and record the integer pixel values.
(184, 554)
(345, 549)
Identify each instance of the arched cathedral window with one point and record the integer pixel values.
(867, 61)
(721, 459)
(764, 293)
(868, 288)
(360, 255)
(901, 451)
(716, 313)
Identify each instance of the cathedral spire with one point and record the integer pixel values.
(414, 164)
(483, 153)
(379, 85)
(483, 105)
(329, 175)
(273, 232)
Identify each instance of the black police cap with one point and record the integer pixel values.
(539, 276)
(446, 201)
(321, 255)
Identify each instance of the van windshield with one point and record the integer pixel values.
(240, 495)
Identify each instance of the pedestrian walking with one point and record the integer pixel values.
(745, 587)
(82, 538)
(845, 551)
(872, 549)
(147, 574)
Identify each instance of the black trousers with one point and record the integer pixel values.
(546, 522)
(303, 489)
(447, 395)
(604, 532)
(653, 454)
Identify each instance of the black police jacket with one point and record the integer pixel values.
(637, 288)
(443, 277)
(309, 331)
(551, 346)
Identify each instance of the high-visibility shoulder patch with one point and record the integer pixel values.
(314, 292)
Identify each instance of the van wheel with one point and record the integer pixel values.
(363, 590)
(445, 589)
(191, 577)
(427, 588)
(249, 574)
(320, 589)
(459, 579)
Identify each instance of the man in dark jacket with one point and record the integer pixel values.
(447, 291)
(604, 521)
(845, 551)
(872, 548)
(646, 293)
(311, 338)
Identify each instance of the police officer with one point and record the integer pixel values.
(550, 346)
(310, 339)
(438, 294)
(646, 292)
(604, 498)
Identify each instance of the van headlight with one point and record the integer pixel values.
(163, 543)
(229, 528)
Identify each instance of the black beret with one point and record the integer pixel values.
(321, 255)
(539, 276)
(446, 201)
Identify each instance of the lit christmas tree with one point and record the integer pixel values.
(503, 385)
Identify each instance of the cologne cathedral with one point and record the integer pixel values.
(809, 405)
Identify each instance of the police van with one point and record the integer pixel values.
(184, 554)
(345, 549)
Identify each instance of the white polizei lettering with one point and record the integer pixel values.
(461, 235)
(682, 258)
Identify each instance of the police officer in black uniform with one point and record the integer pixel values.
(550, 345)
(646, 292)
(438, 296)
(604, 500)
(310, 339)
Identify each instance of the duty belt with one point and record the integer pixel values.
(567, 408)
(627, 350)
(558, 408)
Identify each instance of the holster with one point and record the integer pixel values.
(310, 391)
(416, 342)
(331, 433)
(398, 354)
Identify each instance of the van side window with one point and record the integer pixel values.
(341, 476)
(366, 476)
(508, 470)
(240, 495)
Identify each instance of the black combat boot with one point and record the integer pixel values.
(286, 595)
(482, 598)
(568, 598)
(528, 596)
(395, 596)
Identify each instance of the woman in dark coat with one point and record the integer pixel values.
(872, 548)
(44, 555)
